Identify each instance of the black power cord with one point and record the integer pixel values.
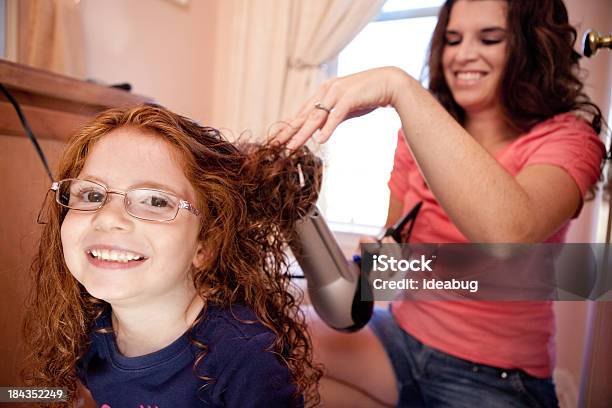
(27, 129)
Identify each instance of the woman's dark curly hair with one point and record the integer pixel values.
(542, 79)
(250, 197)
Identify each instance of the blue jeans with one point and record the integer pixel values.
(431, 378)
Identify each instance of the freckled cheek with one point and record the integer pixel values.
(173, 264)
(176, 248)
(70, 237)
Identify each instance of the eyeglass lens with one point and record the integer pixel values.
(142, 203)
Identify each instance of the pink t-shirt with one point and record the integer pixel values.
(502, 334)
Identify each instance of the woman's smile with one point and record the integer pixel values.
(468, 78)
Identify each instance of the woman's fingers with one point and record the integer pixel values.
(285, 132)
(364, 239)
(367, 239)
(315, 120)
(323, 114)
(289, 131)
(334, 102)
(335, 117)
(388, 240)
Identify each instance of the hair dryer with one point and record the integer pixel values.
(334, 283)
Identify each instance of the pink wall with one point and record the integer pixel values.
(163, 49)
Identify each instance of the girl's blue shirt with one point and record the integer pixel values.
(243, 373)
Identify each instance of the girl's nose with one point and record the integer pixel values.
(112, 216)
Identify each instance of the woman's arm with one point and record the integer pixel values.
(484, 201)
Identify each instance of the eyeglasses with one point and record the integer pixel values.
(142, 203)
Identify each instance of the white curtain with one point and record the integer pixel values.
(270, 54)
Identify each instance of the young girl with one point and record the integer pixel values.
(161, 279)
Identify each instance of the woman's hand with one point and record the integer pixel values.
(339, 99)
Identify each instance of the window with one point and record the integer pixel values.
(359, 156)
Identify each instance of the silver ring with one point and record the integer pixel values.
(319, 105)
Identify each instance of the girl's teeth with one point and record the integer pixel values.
(115, 256)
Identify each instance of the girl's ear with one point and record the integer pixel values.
(200, 256)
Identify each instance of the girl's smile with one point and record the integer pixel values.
(116, 256)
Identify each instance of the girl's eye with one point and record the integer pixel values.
(151, 201)
(156, 201)
(91, 196)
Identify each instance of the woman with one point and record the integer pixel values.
(502, 149)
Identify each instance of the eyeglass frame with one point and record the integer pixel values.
(183, 204)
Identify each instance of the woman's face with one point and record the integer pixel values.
(474, 55)
(124, 159)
